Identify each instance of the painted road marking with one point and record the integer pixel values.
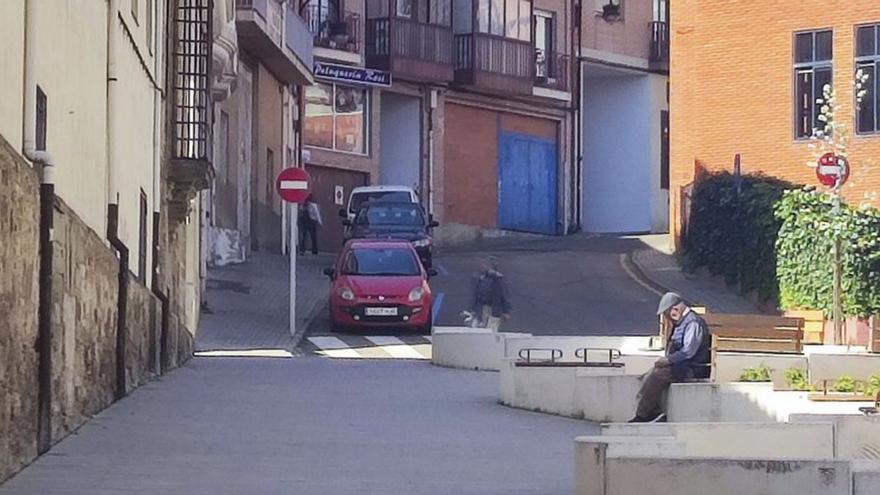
(395, 347)
(438, 303)
(245, 353)
(635, 278)
(334, 348)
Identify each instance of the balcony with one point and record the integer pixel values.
(659, 56)
(494, 63)
(552, 71)
(409, 49)
(272, 32)
(330, 31)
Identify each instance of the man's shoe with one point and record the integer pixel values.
(660, 418)
(638, 419)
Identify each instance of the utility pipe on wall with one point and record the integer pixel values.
(112, 100)
(47, 210)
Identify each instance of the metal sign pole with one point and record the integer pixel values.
(293, 247)
(838, 306)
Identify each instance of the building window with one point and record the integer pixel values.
(812, 72)
(42, 117)
(544, 44)
(508, 18)
(868, 61)
(336, 118)
(270, 174)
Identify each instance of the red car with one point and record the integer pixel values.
(379, 284)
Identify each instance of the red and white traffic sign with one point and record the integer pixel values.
(293, 185)
(833, 170)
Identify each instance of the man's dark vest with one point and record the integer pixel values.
(704, 353)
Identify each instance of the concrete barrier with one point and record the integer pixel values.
(811, 440)
(855, 436)
(866, 477)
(563, 390)
(469, 348)
(725, 402)
(832, 366)
(607, 398)
(603, 470)
(729, 366)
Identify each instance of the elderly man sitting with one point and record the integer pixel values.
(687, 354)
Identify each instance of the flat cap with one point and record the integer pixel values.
(668, 300)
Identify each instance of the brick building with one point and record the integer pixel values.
(745, 79)
(477, 104)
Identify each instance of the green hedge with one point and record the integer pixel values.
(776, 239)
(734, 235)
(804, 254)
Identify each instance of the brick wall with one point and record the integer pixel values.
(732, 90)
(19, 293)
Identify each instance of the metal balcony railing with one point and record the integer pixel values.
(659, 42)
(330, 30)
(552, 70)
(398, 37)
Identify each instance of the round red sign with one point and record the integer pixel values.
(293, 185)
(833, 170)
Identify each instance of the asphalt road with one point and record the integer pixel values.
(567, 286)
(311, 425)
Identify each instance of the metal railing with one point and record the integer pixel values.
(399, 37)
(330, 31)
(552, 70)
(494, 54)
(545, 355)
(659, 42)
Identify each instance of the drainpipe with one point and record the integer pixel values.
(432, 105)
(47, 207)
(576, 127)
(113, 193)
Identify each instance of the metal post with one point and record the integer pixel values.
(838, 306)
(292, 216)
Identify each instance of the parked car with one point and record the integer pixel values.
(370, 194)
(377, 283)
(402, 221)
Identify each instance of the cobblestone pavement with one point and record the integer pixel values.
(248, 303)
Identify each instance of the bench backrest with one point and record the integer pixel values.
(756, 333)
(874, 334)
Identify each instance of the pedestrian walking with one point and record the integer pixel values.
(490, 301)
(308, 220)
(687, 356)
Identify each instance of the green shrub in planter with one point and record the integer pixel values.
(845, 384)
(796, 378)
(757, 374)
(873, 386)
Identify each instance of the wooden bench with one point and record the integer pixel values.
(754, 333)
(874, 335)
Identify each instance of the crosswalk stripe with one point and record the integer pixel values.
(395, 347)
(333, 347)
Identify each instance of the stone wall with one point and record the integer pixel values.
(83, 321)
(84, 302)
(19, 295)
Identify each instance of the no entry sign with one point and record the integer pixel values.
(293, 185)
(833, 170)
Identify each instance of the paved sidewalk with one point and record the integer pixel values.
(248, 303)
(664, 273)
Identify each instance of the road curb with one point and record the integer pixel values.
(311, 315)
(631, 266)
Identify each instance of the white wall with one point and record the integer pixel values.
(621, 190)
(12, 62)
(400, 148)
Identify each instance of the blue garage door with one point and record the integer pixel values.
(527, 184)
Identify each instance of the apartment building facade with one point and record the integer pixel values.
(257, 128)
(477, 104)
(752, 91)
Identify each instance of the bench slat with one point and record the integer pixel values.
(769, 346)
(756, 333)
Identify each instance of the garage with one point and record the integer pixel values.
(331, 187)
(501, 170)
